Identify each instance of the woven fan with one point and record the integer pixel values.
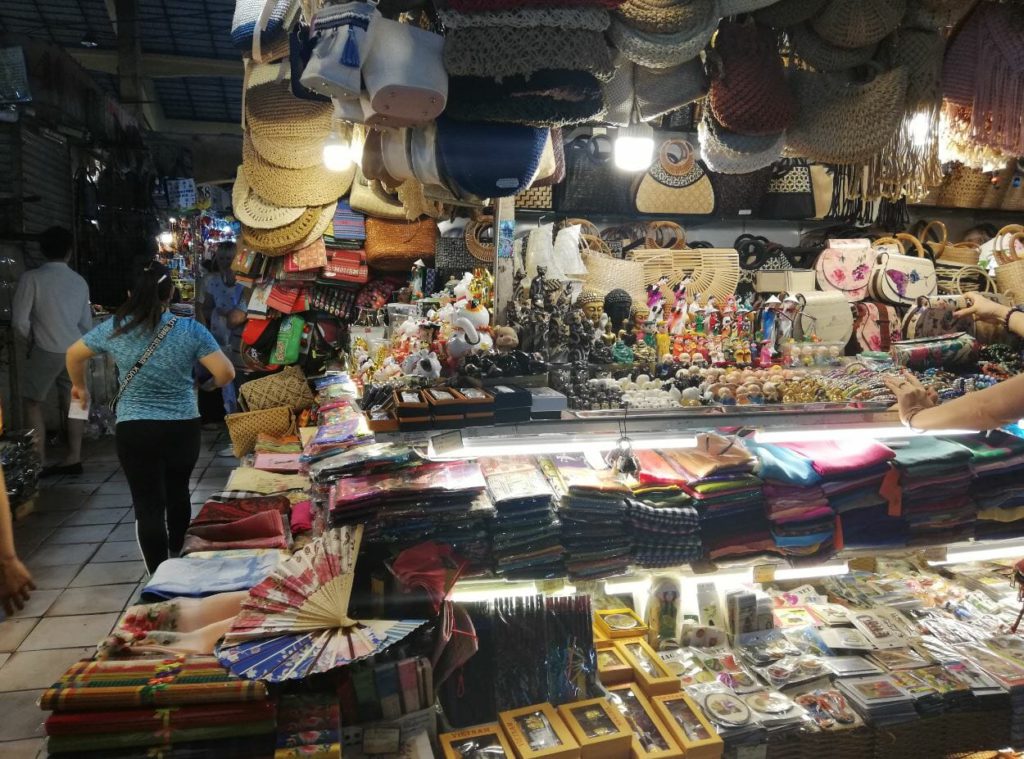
(295, 623)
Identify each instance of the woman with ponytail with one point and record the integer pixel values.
(158, 425)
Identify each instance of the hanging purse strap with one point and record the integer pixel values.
(145, 357)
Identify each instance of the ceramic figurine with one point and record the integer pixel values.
(617, 304)
(505, 339)
(592, 303)
(663, 343)
(622, 353)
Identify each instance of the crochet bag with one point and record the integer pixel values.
(740, 194)
(845, 266)
(286, 388)
(676, 183)
(790, 193)
(245, 427)
(592, 183)
(748, 92)
(661, 91)
(876, 327)
(396, 245)
(452, 253)
(370, 198)
(901, 279)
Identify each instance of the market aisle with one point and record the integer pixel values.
(80, 546)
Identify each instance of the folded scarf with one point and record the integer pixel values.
(195, 578)
(263, 530)
(220, 512)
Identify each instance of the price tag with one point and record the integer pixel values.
(764, 573)
(382, 740)
(445, 443)
(935, 553)
(863, 564)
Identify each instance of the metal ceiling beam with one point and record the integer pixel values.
(158, 65)
(181, 126)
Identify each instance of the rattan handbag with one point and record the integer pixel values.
(676, 183)
(286, 388)
(606, 273)
(246, 426)
(479, 247)
(397, 245)
(1010, 271)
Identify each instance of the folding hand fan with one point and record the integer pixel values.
(295, 623)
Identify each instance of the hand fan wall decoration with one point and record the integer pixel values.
(295, 623)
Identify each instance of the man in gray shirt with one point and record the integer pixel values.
(51, 312)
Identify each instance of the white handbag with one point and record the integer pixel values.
(845, 266)
(344, 38)
(405, 75)
(826, 315)
(899, 279)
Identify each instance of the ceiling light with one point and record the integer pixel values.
(634, 147)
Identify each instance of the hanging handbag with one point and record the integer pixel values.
(934, 317)
(676, 183)
(397, 245)
(946, 352)
(300, 49)
(900, 279)
(661, 91)
(343, 35)
(404, 74)
(369, 197)
(790, 193)
(845, 266)
(287, 387)
(618, 93)
(876, 327)
(451, 253)
(826, 316)
(147, 354)
(739, 194)
(592, 182)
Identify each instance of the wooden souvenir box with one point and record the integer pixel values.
(689, 726)
(599, 728)
(650, 671)
(485, 739)
(612, 667)
(619, 623)
(651, 737)
(537, 732)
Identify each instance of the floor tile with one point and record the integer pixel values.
(54, 555)
(124, 531)
(28, 539)
(118, 550)
(108, 574)
(94, 600)
(95, 533)
(32, 670)
(87, 477)
(37, 605)
(68, 632)
(120, 501)
(54, 577)
(22, 718)
(32, 748)
(4, 658)
(95, 516)
(13, 632)
(42, 519)
(113, 488)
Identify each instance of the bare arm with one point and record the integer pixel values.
(219, 366)
(983, 309)
(15, 580)
(21, 308)
(77, 359)
(986, 409)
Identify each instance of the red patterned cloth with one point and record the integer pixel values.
(222, 512)
(263, 530)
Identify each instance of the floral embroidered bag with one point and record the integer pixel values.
(900, 279)
(845, 266)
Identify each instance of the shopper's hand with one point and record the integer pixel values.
(15, 585)
(911, 395)
(81, 395)
(983, 309)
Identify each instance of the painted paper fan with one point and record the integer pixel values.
(295, 622)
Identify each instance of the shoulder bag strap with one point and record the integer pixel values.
(146, 355)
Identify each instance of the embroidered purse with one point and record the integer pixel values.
(825, 315)
(934, 317)
(845, 266)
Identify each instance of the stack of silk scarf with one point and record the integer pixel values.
(183, 706)
(719, 476)
(997, 461)
(526, 61)
(852, 477)
(526, 534)
(308, 725)
(592, 506)
(666, 526)
(935, 484)
(803, 522)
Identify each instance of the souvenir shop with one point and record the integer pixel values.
(583, 333)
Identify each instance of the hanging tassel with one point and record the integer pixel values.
(350, 55)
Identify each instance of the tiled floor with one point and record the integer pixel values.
(80, 547)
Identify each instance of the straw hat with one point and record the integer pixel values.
(253, 211)
(304, 231)
(284, 129)
(788, 12)
(858, 23)
(293, 187)
(823, 56)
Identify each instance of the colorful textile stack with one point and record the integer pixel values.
(803, 523)
(592, 507)
(348, 225)
(181, 706)
(666, 526)
(718, 475)
(997, 459)
(527, 535)
(212, 572)
(853, 474)
(534, 62)
(935, 480)
(308, 724)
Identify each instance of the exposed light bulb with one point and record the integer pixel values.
(165, 238)
(172, 220)
(337, 154)
(634, 147)
(356, 146)
(920, 129)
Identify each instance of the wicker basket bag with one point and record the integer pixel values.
(246, 426)
(1010, 271)
(286, 388)
(606, 273)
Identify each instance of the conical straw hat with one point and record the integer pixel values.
(255, 212)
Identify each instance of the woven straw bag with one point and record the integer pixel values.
(718, 275)
(606, 273)
(369, 197)
(964, 187)
(315, 186)
(286, 388)
(1013, 197)
(1010, 271)
(672, 265)
(246, 426)
(856, 23)
(536, 199)
(666, 235)
(451, 252)
(676, 183)
(396, 245)
(481, 250)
